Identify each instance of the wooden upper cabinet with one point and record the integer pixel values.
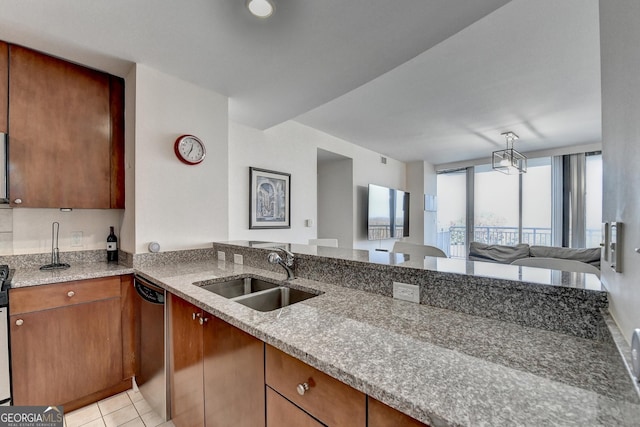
(66, 127)
(4, 86)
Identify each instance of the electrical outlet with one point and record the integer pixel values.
(221, 256)
(76, 238)
(406, 292)
(238, 259)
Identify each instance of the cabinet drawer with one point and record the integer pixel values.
(35, 298)
(327, 399)
(381, 415)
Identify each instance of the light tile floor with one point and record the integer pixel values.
(128, 409)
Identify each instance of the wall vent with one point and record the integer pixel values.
(383, 160)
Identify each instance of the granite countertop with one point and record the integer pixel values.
(439, 366)
(441, 265)
(26, 275)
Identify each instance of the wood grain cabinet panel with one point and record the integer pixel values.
(233, 376)
(282, 413)
(64, 354)
(186, 369)
(217, 371)
(4, 86)
(327, 399)
(65, 124)
(36, 298)
(381, 415)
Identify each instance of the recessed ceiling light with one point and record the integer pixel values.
(260, 8)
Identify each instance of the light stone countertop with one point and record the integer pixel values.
(490, 270)
(439, 366)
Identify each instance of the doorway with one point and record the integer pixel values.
(335, 198)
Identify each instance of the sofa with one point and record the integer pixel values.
(507, 254)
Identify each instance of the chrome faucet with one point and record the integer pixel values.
(287, 263)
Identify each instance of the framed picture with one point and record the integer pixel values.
(269, 199)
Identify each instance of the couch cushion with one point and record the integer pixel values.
(497, 253)
(588, 255)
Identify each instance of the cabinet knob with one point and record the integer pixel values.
(19, 322)
(17, 201)
(70, 294)
(302, 388)
(194, 316)
(203, 320)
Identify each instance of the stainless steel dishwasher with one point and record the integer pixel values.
(153, 380)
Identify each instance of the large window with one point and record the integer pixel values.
(593, 199)
(452, 212)
(537, 202)
(512, 209)
(496, 217)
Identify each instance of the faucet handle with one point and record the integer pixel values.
(274, 258)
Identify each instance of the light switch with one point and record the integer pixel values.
(615, 246)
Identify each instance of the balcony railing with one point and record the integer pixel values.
(452, 242)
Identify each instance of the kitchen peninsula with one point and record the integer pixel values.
(440, 366)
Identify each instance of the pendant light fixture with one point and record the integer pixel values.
(260, 8)
(509, 161)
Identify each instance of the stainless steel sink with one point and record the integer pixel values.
(238, 287)
(273, 299)
(258, 294)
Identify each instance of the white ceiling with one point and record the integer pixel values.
(434, 80)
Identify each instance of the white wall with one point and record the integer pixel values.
(335, 201)
(179, 206)
(421, 180)
(620, 56)
(32, 229)
(292, 147)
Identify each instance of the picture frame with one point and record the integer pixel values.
(269, 199)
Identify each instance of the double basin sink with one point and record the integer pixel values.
(256, 293)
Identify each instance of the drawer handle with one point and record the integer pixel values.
(17, 201)
(203, 320)
(19, 322)
(302, 388)
(194, 316)
(70, 294)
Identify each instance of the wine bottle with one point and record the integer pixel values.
(112, 246)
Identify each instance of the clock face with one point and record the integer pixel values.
(190, 149)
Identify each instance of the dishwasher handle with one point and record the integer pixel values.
(149, 292)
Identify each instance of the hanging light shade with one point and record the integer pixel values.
(260, 8)
(509, 161)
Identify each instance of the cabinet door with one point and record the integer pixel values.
(4, 86)
(63, 354)
(282, 413)
(186, 373)
(381, 415)
(60, 132)
(234, 376)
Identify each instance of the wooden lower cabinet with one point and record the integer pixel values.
(381, 415)
(282, 413)
(67, 343)
(330, 401)
(217, 371)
